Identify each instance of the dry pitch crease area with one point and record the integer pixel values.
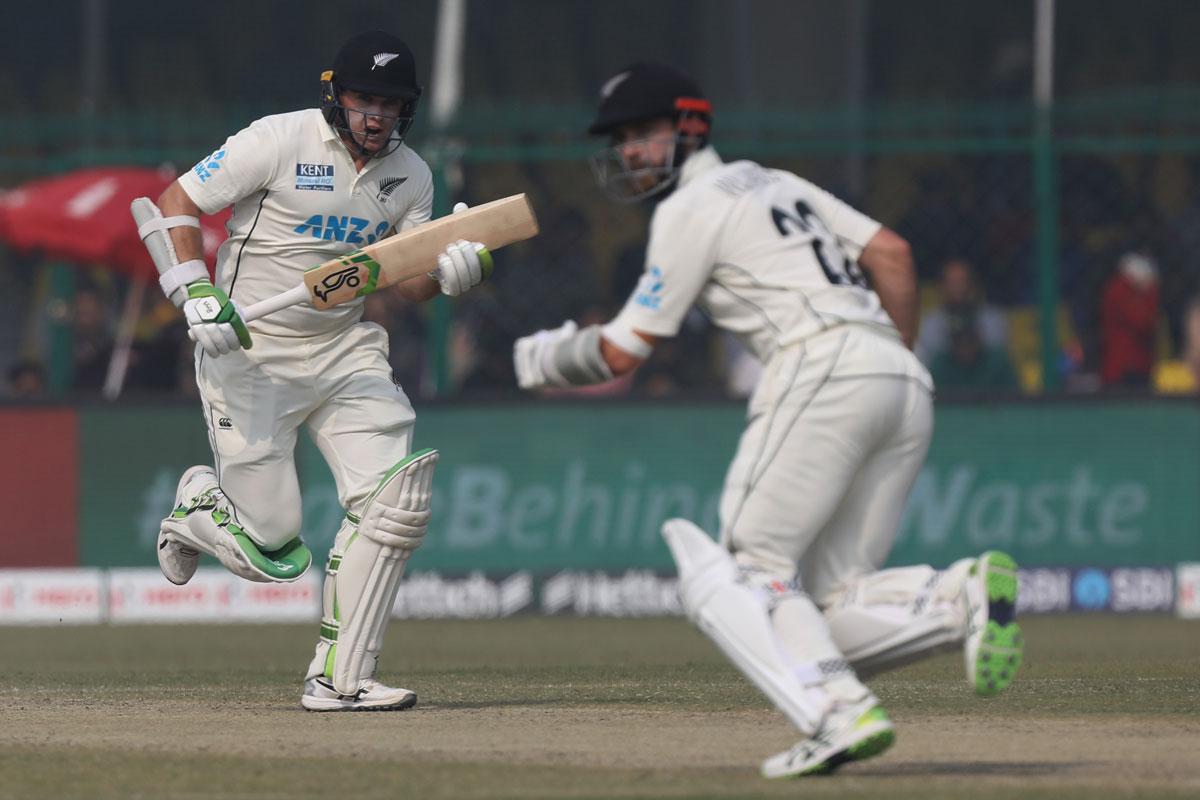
(575, 708)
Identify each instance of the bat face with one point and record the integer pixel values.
(414, 252)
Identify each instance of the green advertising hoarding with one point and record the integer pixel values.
(586, 486)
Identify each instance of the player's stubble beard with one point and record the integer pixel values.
(657, 170)
(645, 173)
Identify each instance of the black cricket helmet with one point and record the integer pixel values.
(645, 91)
(375, 63)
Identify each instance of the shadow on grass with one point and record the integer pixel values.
(1008, 768)
(517, 702)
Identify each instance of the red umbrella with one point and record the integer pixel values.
(83, 217)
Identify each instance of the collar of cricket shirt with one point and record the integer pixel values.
(328, 134)
(698, 162)
(334, 139)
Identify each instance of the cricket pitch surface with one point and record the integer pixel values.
(567, 707)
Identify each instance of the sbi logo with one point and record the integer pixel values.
(1091, 590)
(333, 228)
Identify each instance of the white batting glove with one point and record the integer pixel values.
(214, 320)
(532, 357)
(463, 265)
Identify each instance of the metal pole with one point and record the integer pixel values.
(92, 74)
(446, 97)
(118, 362)
(743, 63)
(1045, 174)
(1043, 48)
(437, 341)
(60, 333)
(856, 90)
(447, 62)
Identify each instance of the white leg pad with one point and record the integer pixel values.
(735, 616)
(367, 578)
(897, 616)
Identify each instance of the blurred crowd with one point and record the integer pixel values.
(1128, 283)
(1128, 276)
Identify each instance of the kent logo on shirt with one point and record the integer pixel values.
(314, 177)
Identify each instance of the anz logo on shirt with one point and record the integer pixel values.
(333, 228)
(649, 289)
(208, 166)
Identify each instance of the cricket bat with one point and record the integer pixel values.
(405, 255)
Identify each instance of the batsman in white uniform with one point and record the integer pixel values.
(306, 187)
(836, 433)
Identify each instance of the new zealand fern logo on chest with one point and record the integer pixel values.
(389, 185)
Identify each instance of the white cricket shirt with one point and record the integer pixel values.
(298, 200)
(766, 255)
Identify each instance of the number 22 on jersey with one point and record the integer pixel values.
(840, 270)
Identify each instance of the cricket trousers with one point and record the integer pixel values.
(836, 434)
(338, 386)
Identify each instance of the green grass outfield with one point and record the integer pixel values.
(564, 707)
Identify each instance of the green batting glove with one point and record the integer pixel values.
(212, 316)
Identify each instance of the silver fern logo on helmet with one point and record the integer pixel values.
(611, 85)
(383, 59)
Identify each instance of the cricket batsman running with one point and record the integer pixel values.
(305, 187)
(836, 433)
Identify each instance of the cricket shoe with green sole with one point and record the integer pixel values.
(995, 644)
(850, 733)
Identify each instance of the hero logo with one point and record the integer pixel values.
(208, 166)
(333, 228)
(649, 289)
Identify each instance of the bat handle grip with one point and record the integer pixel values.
(294, 296)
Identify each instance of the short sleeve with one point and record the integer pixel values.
(853, 228)
(245, 164)
(421, 209)
(679, 262)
